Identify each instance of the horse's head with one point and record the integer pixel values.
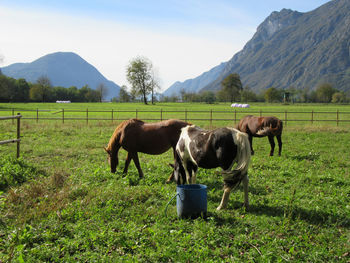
(112, 160)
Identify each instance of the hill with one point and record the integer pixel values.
(64, 69)
(295, 49)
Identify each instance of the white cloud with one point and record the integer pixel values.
(108, 45)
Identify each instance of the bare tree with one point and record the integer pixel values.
(102, 91)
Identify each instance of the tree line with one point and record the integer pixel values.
(232, 90)
(19, 90)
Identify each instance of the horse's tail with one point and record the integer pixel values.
(269, 130)
(244, 152)
(243, 156)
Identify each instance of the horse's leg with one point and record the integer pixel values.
(245, 189)
(272, 143)
(279, 139)
(127, 162)
(250, 137)
(171, 177)
(135, 157)
(225, 197)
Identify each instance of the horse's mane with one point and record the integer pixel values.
(117, 132)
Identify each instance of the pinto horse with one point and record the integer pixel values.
(261, 127)
(137, 136)
(221, 147)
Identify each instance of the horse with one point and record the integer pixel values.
(261, 127)
(136, 136)
(222, 147)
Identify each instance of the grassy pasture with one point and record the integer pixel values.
(64, 205)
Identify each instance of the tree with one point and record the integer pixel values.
(273, 95)
(43, 88)
(248, 95)
(325, 92)
(232, 86)
(338, 97)
(21, 90)
(208, 97)
(140, 75)
(102, 91)
(124, 96)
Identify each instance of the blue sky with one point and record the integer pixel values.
(182, 38)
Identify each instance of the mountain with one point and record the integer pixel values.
(64, 69)
(295, 49)
(196, 84)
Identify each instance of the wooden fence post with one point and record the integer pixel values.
(337, 117)
(112, 115)
(13, 114)
(312, 116)
(161, 114)
(18, 133)
(37, 115)
(63, 116)
(87, 116)
(136, 113)
(285, 117)
(211, 119)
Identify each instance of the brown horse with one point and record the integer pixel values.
(261, 127)
(137, 136)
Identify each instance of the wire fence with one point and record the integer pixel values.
(210, 117)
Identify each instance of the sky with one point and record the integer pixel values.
(182, 38)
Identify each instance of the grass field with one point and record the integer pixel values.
(60, 203)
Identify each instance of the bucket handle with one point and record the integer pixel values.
(166, 207)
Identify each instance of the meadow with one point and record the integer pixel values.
(60, 203)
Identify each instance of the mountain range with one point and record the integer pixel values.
(289, 49)
(64, 69)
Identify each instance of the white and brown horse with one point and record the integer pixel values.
(223, 147)
(137, 136)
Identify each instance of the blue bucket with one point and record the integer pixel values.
(191, 200)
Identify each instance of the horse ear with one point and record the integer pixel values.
(171, 165)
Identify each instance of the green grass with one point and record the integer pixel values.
(68, 207)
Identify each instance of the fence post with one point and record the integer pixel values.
(37, 115)
(136, 113)
(337, 117)
(285, 117)
(18, 133)
(211, 119)
(161, 114)
(63, 116)
(112, 115)
(13, 114)
(312, 116)
(87, 116)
